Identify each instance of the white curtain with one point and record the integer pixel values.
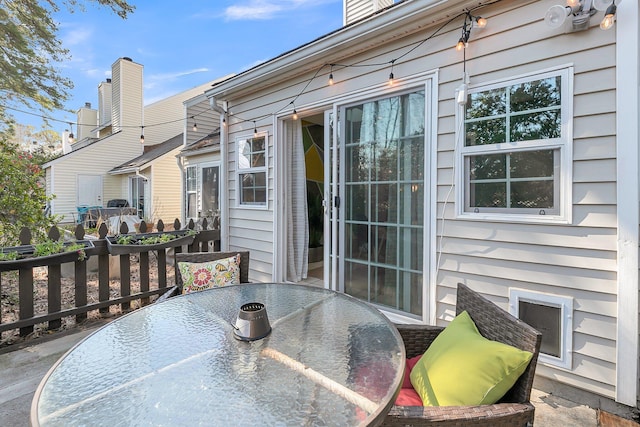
(297, 219)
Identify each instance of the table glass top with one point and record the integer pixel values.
(329, 360)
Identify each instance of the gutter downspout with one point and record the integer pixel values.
(140, 175)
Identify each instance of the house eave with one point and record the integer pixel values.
(191, 153)
(126, 171)
(396, 22)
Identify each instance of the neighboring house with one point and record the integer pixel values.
(108, 160)
(153, 179)
(510, 165)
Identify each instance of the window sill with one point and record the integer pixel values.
(528, 219)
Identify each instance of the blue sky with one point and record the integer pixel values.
(181, 44)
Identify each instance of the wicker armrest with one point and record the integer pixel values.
(417, 338)
(498, 415)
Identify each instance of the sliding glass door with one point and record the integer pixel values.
(382, 193)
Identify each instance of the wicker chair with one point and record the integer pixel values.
(206, 257)
(514, 409)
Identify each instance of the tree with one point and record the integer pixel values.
(30, 50)
(23, 197)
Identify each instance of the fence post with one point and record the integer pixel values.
(125, 272)
(25, 287)
(103, 271)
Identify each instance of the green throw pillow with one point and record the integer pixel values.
(461, 367)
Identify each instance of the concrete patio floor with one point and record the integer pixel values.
(22, 369)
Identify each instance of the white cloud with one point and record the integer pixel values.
(266, 9)
(77, 36)
(253, 64)
(159, 85)
(155, 78)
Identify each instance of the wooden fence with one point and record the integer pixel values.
(203, 241)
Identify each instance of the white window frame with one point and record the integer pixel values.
(261, 169)
(564, 144)
(187, 192)
(198, 167)
(565, 304)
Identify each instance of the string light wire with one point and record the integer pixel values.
(333, 66)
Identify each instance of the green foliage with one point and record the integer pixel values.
(22, 196)
(32, 54)
(152, 240)
(8, 256)
(50, 247)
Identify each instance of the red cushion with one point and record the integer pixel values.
(407, 371)
(408, 397)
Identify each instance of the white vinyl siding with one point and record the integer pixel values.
(577, 259)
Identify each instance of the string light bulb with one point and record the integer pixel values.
(391, 77)
(71, 137)
(224, 122)
(141, 134)
(331, 76)
(195, 125)
(466, 32)
(295, 114)
(481, 22)
(609, 17)
(255, 130)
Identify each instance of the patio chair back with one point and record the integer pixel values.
(206, 257)
(514, 409)
(498, 325)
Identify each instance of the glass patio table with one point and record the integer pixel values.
(330, 359)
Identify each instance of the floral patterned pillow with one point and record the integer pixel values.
(211, 274)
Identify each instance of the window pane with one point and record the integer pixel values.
(411, 159)
(535, 95)
(488, 167)
(192, 206)
(251, 153)
(384, 249)
(411, 203)
(253, 188)
(544, 125)
(384, 202)
(358, 165)
(258, 151)
(532, 194)
(191, 178)
(210, 191)
(526, 164)
(486, 104)
(385, 161)
(492, 131)
(357, 206)
(383, 282)
(489, 195)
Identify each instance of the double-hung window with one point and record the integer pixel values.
(516, 149)
(252, 170)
